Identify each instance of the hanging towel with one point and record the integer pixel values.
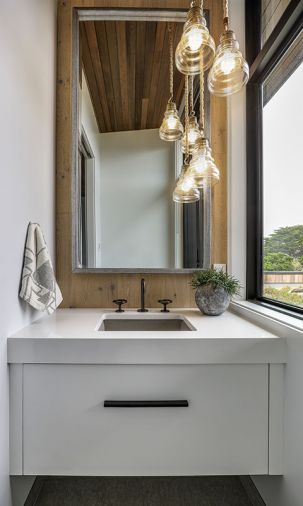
(38, 284)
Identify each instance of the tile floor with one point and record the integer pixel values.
(170, 491)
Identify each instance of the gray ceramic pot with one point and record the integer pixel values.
(212, 301)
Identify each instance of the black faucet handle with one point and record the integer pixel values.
(165, 303)
(120, 303)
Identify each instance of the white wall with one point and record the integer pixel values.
(137, 211)
(286, 490)
(27, 105)
(237, 163)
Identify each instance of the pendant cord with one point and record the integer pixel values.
(186, 120)
(191, 96)
(202, 112)
(226, 9)
(197, 3)
(226, 14)
(171, 62)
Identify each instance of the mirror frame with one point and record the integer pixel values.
(118, 14)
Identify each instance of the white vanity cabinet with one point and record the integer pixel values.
(62, 370)
(61, 426)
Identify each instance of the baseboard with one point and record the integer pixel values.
(252, 491)
(35, 491)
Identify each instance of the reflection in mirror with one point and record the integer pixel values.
(125, 216)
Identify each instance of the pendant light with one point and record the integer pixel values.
(229, 72)
(202, 165)
(195, 38)
(193, 128)
(186, 190)
(171, 128)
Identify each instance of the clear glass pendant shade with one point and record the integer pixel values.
(230, 71)
(193, 134)
(171, 128)
(186, 190)
(202, 166)
(195, 39)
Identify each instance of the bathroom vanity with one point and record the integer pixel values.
(193, 395)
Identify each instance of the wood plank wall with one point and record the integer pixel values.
(98, 290)
(272, 10)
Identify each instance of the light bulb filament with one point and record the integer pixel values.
(194, 38)
(172, 122)
(228, 63)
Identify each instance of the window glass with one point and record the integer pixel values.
(283, 181)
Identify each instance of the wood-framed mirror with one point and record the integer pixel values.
(124, 217)
(97, 289)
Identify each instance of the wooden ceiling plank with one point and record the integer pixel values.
(144, 112)
(131, 63)
(148, 57)
(178, 77)
(180, 91)
(131, 40)
(163, 84)
(91, 81)
(140, 53)
(95, 56)
(178, 29)
(179, 87)
(160, 36)
(123, 73)
(110, 27)
(107, 73)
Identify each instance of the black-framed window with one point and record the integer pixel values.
(274, 158)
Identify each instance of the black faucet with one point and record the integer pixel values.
(142, 308)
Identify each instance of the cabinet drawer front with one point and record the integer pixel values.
(68, 431)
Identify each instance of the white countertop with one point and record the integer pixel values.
(70, 336)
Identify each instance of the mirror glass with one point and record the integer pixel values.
(124, 215)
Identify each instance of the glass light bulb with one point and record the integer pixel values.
(192, 136)
(229, 72)
(201, 164)
(186, 190)
(187, 183)
(228, 63)
(171, 128)
(172, 122)
(194, 38)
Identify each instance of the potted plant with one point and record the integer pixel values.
(214, 289)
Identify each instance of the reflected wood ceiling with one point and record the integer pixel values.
(126, 64)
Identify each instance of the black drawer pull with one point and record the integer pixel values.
(146, 404)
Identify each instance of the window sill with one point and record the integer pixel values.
(278, 323)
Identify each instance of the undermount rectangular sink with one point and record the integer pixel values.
(144, 323)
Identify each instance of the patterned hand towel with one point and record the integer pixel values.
(38, 285)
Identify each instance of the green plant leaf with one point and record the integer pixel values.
(218, 279)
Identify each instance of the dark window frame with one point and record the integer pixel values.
(262, 61)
